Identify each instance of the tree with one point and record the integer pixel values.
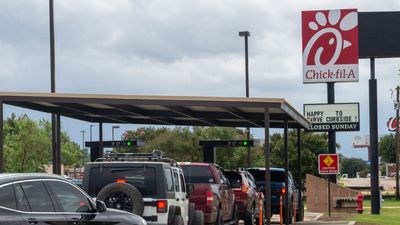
(27, 145)
(387, 148)
(352, 166)
(312, 144)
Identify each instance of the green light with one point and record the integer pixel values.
(245, 143)
(129, 143)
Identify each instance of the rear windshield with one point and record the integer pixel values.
(276, 176)
(197, 174)
(142, 177)
(234, 178)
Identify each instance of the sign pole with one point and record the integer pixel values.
(329, 196)
(331, 134)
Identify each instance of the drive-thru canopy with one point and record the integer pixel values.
(162, 110)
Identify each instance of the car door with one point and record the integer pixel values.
(184, 203)
(74, 204)
(34, 201)
(8, 206)
(180, 198)
(224, 190)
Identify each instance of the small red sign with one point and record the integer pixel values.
(328, 164)
(330, 46)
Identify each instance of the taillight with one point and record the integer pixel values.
(283, 191)
(245, 188)
(162, 206)
(121, 181)
(209, 197)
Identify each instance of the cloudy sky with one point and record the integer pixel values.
(177, 47)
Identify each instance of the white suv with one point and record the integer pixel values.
(147, 184)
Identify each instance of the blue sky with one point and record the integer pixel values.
(178, 47)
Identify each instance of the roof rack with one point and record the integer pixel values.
(156, 156)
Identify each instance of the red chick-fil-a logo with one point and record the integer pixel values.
(330, 46)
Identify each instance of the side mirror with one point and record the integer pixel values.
(189, 188)
(100, 206)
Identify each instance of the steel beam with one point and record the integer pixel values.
(1, 139)
(267, 187)
(286, 165)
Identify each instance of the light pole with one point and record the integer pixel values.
(91, 125)
(112, 131)
(246, 34)
(83, 147)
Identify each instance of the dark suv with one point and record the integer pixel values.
(247, 196)
(50, 199)
(279, 190)
(147, 184)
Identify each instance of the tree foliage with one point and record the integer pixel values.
(352, 166)
(387, 148)
(27, 145)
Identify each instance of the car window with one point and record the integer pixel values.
(176, 181)
(22, 202)
(37, 196)
(168, 178)
(183, 188)
(197, 174)
(69, 198)
(7, 197)
(141, 176)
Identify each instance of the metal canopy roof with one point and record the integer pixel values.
(161, 110)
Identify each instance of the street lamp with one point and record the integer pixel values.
(83, 146)
(112, 131)
(246, 34)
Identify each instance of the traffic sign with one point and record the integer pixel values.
(328, 163)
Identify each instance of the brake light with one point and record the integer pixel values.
(209, 198)
(283, 191)
(162, 206)
(245, 188)
(121, 181)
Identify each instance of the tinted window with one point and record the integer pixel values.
(37, 196)
(276, 176)
(168, 178)
(7, 197)
(176, 181)
(197, 174)
(69, 198)
(234, 178)
(142, 177)
(22, 202)
(183, 188)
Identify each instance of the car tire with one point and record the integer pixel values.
(122, 196)
(198, 217)
(300, 216)
(178, 220)
(290, 216)
(249, 218)
(191, 214)
(219, 220)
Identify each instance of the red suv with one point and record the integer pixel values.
(247, 196)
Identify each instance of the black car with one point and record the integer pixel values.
(51, 199)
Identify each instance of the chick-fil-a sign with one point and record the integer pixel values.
(330, 46)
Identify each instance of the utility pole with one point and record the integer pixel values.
(83, 147)
(397, 142)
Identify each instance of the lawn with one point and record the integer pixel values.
(388, 216)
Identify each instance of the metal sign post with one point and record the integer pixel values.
(328, 164)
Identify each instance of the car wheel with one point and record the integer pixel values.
(249, 218)
(191, 214)
(178, 220)
(122, 196)
(290, 215)
(198, 217)
(219, 218)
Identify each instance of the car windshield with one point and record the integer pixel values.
(142, 177)
(197, 174)
(276, 176)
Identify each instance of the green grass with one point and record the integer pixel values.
(388, 216)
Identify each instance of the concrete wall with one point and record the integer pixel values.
(317, 195)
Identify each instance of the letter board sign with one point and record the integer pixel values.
(330, 46)
(328, 163)
(333, 117)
